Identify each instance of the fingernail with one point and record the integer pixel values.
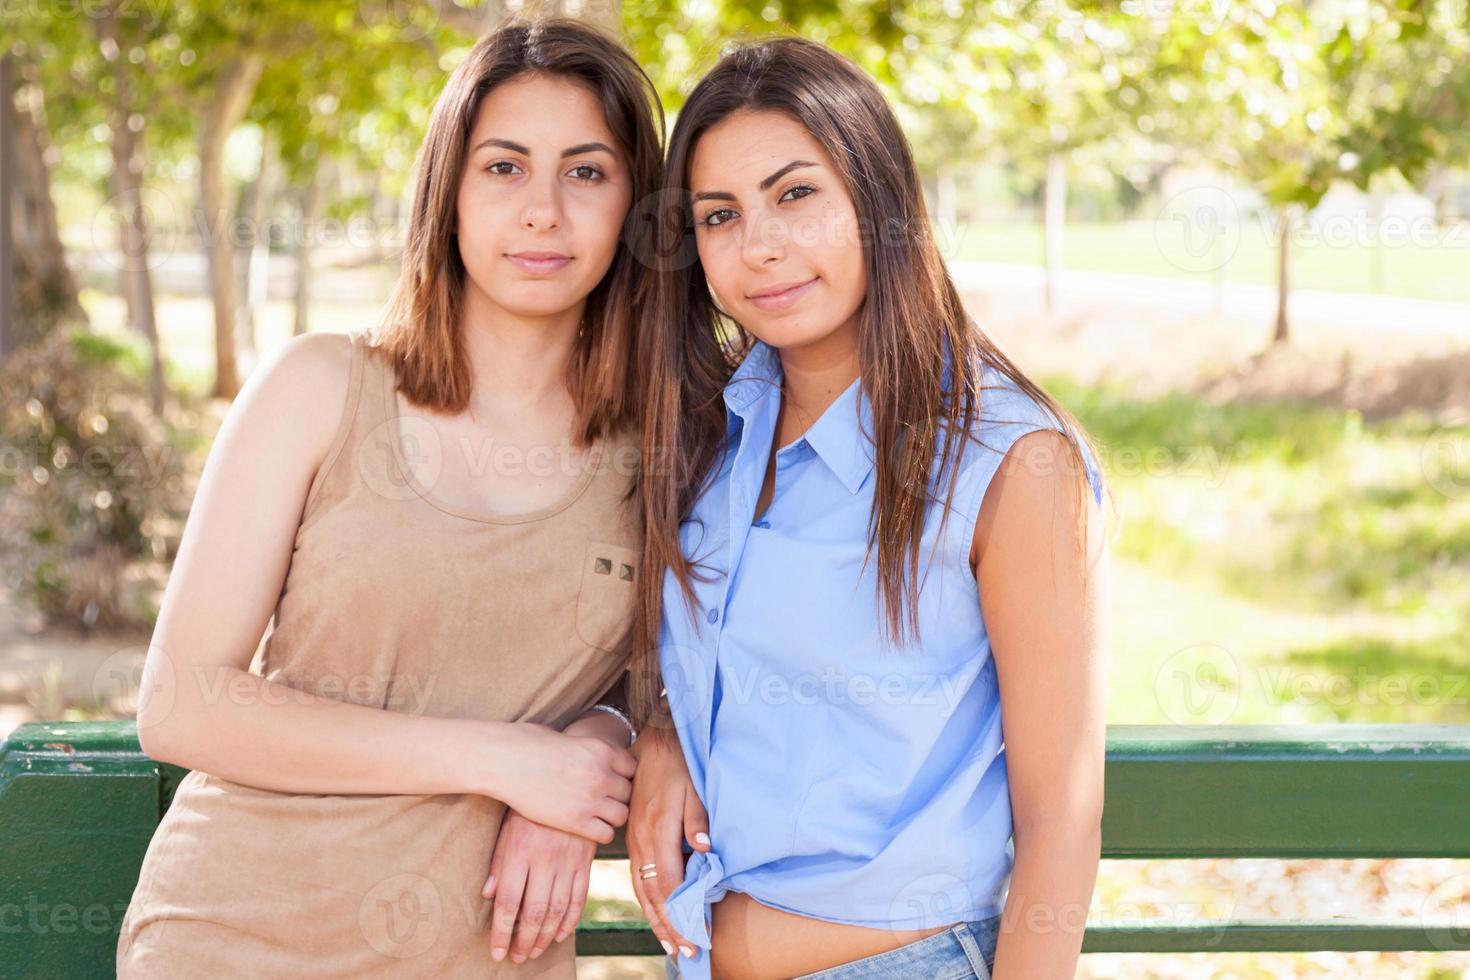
(668, 947)
(702, 838)
(497, 954)
(687, 951)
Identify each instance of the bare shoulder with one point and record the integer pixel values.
(1038, 480)
(297, 394)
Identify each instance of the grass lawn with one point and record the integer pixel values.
(1283, 563)
(1440, 271)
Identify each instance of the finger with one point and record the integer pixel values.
(576, 902)
(598, 830)
(495, 866)
(646, 902)
(670, 860)
(623, 763)
(618, 788)
(533, 910)
(509, 888)
(556, 913)
(696, 823)
(613, 812)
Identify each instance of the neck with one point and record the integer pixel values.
(815, 374)
(517, 360)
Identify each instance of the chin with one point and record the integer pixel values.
(789, 336)
(535, 299)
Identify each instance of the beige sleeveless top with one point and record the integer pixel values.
(400, 602)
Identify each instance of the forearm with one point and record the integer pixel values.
(1045, 913)
(263, 733)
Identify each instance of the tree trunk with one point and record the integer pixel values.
(1375, 247)
(230, 98)
(946, 203)
(311, 211)
(45, 291)
(1220, 244)
(257, 267)
(135, 274)
(1054, 217)
(1283, 289)
(9, 325)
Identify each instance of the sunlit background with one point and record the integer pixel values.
(1232, 236)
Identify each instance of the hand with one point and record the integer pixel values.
(664, 809)
(538, 882)
(578, 784)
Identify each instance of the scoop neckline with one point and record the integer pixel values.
(594, 458)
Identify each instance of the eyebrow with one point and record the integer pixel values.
(764, 185)
(570, 151)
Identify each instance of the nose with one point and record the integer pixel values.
(765, 241)
(543, 208)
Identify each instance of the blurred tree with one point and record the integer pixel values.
(45, 291)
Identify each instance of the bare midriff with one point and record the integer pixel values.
(752, 941)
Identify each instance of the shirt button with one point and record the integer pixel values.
(764, 524)
(714, 615)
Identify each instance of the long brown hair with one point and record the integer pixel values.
(422, 329)
(921, 356)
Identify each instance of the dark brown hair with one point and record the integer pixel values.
(422, 331)
(911, 325)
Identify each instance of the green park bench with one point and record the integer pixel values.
(79, 802)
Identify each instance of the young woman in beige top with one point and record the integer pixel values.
(434, 521)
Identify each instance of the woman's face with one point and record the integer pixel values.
(543, 196)
(776, 230)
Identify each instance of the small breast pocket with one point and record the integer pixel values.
(605, 600)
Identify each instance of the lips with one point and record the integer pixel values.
(539, 262)
(782, 298)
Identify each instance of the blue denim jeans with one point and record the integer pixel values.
(965, 951)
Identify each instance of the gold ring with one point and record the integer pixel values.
(649, 874)
(648, 867)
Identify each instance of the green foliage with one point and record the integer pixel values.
(91, 483)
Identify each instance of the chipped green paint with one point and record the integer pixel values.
(79, 802)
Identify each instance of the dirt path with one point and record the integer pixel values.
(1377, 355)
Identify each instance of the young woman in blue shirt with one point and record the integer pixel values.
(870, 538)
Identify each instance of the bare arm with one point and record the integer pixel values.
(1050, 648)
(202, 708)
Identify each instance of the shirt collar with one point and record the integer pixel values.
(841, 437)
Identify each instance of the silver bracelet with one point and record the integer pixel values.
(620, 715)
